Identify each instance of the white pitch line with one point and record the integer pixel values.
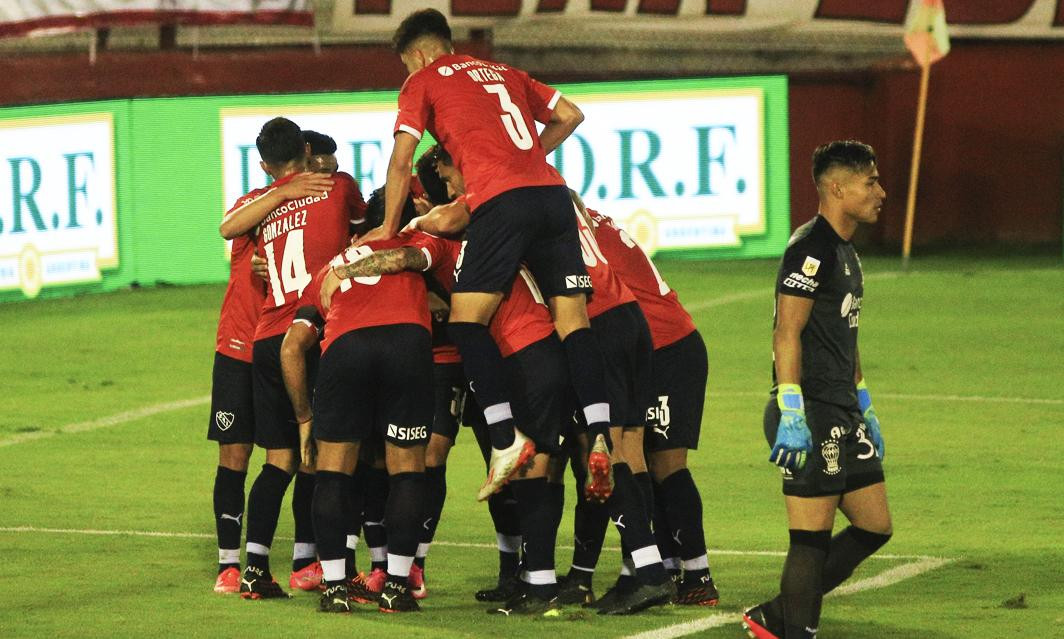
(110, 420)
(914, 397)
(765, 293)
(886, 578)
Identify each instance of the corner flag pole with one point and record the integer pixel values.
(914, 169)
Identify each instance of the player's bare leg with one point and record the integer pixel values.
(470, 315)
(406, 474)
(587, 371)
(229, 481)
(335, 464)
(264, 508)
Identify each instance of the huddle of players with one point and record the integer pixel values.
(375, 366)
(628, 363)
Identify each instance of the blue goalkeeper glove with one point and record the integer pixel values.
(793, 438)
(864, 400)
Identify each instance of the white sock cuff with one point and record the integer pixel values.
(508, 543)
(698, 563)
(258, 549)
(422, 550)
(229, 555)
(626, 570)
(597, 413)
(540, 577)
(301, 550)
(646, 556)
(671, 563)
(497, 412)
(399, 565)
(582, 569)
(333, 570)
(352, 541)
(380, 553)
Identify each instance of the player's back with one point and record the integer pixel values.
(297, 239)
(667, 318)
(484, 113)
(375, 300)
(610, 291)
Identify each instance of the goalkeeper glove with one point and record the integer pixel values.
(793, 438)
(864, 400)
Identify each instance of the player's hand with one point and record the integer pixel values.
(307, 452)
(328, 288)
(259, 267)
(438, 308)
(306, 184)
(871, 420)
(379, 233)
(793, 438)
(422, 205)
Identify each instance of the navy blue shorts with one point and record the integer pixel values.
(232, 409)
(678, 374)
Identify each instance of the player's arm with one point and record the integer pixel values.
(242, 219)
(300, 338)
(406, 258)
(445, 219)
(396, 189)
(563, 121)
(793, 438)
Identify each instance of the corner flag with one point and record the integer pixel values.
(925, 33)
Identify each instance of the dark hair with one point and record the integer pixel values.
(426, 22)
(320, 144)
(280, 141)
(375, 210)
(435, 187)
(850, 154)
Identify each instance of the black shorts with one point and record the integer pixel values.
(451, 389)
(376, 380)
(624, 338)
(535, 225)
(232, 409)
(678, 375)
(275, 420)
(538, 378)
(843, 458)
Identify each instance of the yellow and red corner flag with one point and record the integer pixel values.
(926, 34)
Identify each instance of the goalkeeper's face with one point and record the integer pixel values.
(863, 195)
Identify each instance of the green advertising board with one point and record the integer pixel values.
(101, 195)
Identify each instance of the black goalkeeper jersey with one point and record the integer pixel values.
(820, 265)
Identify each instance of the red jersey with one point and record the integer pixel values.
(610, 291)
(667, 318)
(484, 114)
(297, 239)
(375, 300)
(522, 318)
(243, 296)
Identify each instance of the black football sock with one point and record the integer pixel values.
(373, 524)
(683, 507)
(802, 582)
(626, 508)
(587, 370)
(589, 530)
(539, 533)
(228, 515)
(483, 366)
(303, 552)
(503, 510)
(355, 493)
(264, 507)
(435, 497)
(670, 553)
(557, 502)
(646, 490)
(330, 523)
(405, 507)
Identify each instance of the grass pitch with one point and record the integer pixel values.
(963, 357)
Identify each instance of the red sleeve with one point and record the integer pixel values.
(435, 248)
(353, 201)
(243, 200)
(541, 99)
(413, 107)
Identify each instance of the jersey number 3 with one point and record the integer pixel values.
(511, 117)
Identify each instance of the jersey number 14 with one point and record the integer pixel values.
(292, 276)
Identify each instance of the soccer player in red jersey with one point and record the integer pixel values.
(232, 422)
(484, 113)
(679, 369)
(297, 237)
